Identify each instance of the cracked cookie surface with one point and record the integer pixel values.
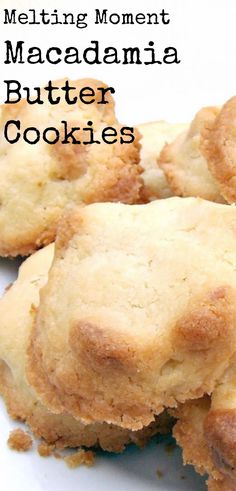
(22, 402)
(145, 312)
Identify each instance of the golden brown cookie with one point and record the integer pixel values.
(139, 310)
(17, 313)
(190, 435)
(220, 424)
(154, 136)
(39, 181)
(219, 148)
(206, 429)
(185, 166)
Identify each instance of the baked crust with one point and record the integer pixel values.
(58, 430)
(220, 430)
(190, 435)
(183, 162)
(189, 432)
(206, 430)
(218, 147)
(161, 326)
(220, 423)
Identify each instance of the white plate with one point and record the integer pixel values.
(134, 470)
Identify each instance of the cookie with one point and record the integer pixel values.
(190, 434)
(218, 147)
(184, 165)
(154, 136)
(139, 310)
(220, 424)
(17, 310)
(39, 181)
(206, 429)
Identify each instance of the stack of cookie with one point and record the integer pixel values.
(133, 311)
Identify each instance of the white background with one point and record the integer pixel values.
(203, 31)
